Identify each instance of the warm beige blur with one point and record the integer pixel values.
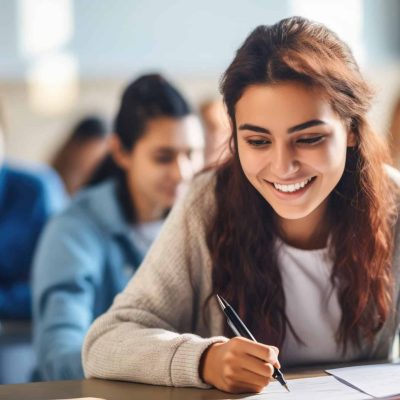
(394, 134)
(78, 160)
(217, 130)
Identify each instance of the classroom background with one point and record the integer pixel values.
(63, 59)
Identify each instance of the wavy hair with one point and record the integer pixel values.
(362, 206)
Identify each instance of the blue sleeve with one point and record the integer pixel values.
(44, 196)
(68, 268)
(15, 300)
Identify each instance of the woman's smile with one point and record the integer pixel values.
(289, 191)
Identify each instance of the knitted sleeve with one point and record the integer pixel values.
(149, 333)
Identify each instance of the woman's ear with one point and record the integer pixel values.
(119, 154)
(351, 139)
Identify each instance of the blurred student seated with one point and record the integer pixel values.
(88, 253)
(28, 197)
(79, 156)
(217, 131)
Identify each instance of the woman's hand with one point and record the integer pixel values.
(239, 365)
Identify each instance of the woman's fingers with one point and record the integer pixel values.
(257, 366)
(237, 379)
(248, 385)
(239, 365)
(266, 353)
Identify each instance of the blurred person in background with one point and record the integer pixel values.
(217, 130)
(88, 253)
(29, 195)
(394, 134)
(81, 153)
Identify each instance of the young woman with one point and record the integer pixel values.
(88, 253)
(297, 231)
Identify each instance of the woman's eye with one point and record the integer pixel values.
(311, 140)
(258, 142)
(163, 159)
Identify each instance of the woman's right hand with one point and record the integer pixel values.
(239, 365)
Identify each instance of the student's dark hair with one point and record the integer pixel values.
(242, 234)
(148, 97)
(90, 127)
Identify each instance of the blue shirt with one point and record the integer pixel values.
(27, 199)
(85, 257)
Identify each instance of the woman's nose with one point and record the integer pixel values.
(283, 161)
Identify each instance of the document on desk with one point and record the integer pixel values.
(324, 387)
(83, 398)
(379, 380)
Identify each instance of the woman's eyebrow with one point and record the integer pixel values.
(296, 128)
(305, 125)
(255, 128)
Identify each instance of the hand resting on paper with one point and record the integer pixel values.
(239, 365)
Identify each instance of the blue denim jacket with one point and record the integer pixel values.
(85, 257)
(28, 197)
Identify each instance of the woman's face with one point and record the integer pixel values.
(292, 146)
(166, 156)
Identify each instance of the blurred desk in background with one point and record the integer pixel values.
(17, 358)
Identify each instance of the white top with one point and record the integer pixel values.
(312, 307)
(144, 234)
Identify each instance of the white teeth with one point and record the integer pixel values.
(293, 187)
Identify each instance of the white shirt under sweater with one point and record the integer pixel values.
(312, 307)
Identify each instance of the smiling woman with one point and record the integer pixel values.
(298, 230)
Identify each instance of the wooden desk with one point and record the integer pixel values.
(113, 390)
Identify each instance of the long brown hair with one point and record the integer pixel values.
(242, 233)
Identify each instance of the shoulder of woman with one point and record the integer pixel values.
(83, 218)
(201, 189)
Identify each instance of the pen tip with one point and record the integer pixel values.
(286, 387)
(220, 301)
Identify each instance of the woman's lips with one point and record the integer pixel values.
(292, 194)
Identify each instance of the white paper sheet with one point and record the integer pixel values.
(324, 387)
(84, 398)
(379, 380)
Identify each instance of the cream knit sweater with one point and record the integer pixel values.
(155, 331)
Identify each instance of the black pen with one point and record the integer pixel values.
(240, 329)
